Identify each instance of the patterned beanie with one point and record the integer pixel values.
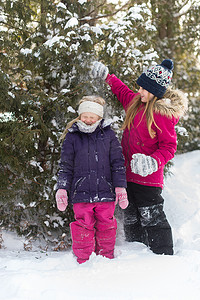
(157, 79)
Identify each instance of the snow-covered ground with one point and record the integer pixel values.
(135, 274)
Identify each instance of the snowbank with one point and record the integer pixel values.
(135, 274)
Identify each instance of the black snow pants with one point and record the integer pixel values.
(145, 220)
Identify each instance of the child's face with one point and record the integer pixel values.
(145, 95)
(89, 118)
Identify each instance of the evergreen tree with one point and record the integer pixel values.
(178, 33)
(46, 51)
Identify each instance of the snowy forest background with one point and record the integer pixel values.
(46, 48)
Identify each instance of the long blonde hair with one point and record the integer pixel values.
(134, 107)
(92, 98)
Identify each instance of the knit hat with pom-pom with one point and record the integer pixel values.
(157, 79)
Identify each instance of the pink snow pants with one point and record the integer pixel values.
(94, 230)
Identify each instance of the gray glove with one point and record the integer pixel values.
(143, 165)
(99, 70)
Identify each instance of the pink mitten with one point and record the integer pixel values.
(121, 197)
(61, 199)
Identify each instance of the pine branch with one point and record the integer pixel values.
(180, 14)
(14, 27)
(96, 9)
(105, 15)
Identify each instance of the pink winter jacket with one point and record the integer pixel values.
(138, 140)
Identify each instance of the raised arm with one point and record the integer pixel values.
(123, 93)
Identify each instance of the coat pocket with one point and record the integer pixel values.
(78, 185)
(105, 185)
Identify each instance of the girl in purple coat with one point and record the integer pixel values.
(149, 141)
(92, 178)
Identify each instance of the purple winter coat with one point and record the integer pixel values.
(138, 140)
(92, 165)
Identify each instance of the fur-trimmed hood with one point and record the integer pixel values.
(173, 104)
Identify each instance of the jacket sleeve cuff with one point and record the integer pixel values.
(109, 79)
(159, 162)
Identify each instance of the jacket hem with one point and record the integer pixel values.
(147, 183)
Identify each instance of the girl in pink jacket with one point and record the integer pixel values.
(149, 141)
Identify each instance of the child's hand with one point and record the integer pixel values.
(61, 199)
(121, 197)
(143, 165)
(99, 70)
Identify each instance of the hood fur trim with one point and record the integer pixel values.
(173, 104)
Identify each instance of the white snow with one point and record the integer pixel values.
(70, 109)
(11, 94)
(74, 47)
(97, 30)
(26, 51)
(181, 130)
(63, 91)
(135, 273)
(61, 5)
(86, 37)
(6, 117)
(52, 41)
(82, 1)
(71, 23)
(36, 164)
